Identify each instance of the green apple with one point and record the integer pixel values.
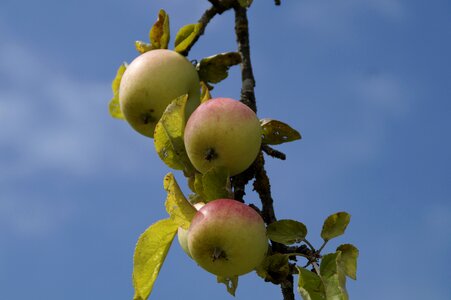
(151, 82)
(222, 132)
(182, 234)
(227, 238)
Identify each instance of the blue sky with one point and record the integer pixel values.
(367, 83)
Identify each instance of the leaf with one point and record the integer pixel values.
(349, 255)
(168, 136)
(335, 225)
(216, 184)
(230, 283)
(205, 92)
(333, 277)
(180, 210)
(216, 68)
(199, 186)
(114, 106)
(159, 33)
(142, 47)
(245, 3)
(310, 285)
(150, 253)
(287, 232)
(186, 36)
(276, 132)
(274, 268)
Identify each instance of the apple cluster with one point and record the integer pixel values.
(226, 237)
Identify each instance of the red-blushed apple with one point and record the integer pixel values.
(151, 82)
(222, 132)
(227, 238)
(182, 234)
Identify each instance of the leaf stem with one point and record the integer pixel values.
(322, 246)
(310, 245)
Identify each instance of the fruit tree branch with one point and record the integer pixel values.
(217, 8)
(247, 75)
(261, 184)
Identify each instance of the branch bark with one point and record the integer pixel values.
(247, 75)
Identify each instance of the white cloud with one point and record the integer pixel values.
(51, 121)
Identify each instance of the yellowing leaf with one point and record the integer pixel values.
(142, 47)
(276, 132)
(205, 92)
(216, 68)
(333, 277)
(114, 107)
(198, 185)
(168, 136)
(230, 283)
(180, 210)
(287, 232)
(349, 255)
(186, 36)
(335, 225)
(150, 253)
(310, 285)
(159, 33)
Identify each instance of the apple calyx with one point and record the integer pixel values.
(210, 154)
(218, 254)
(147, 117)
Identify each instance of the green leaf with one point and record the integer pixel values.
(180, 210)
(150, 253)
(216, 184)
(168, 136)
(274, 268)
(310, 285)
(230, 283)
(333, 277)
(114, 106)
(205, 92)
(216, 68)
(349, 255)
(142, 47)
(335, 225)
(276, 132)
(186, 36)
(287, 232)
(199, 186)
(245, 3)
(159, 33)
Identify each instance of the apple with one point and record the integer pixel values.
(222, 132)
(151, 82)
(182, 234)
(227, 238)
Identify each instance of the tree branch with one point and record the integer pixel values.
(261, 184)
(247, 75)
(218, 7)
